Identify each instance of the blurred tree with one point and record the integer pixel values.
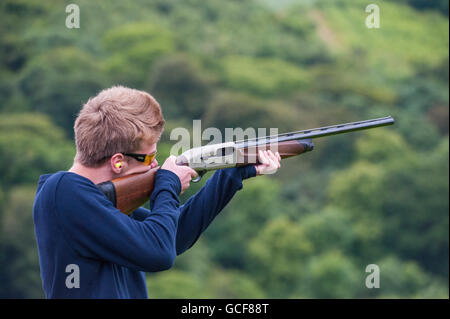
(181, 88)
(15, 17)
(232, 285)
(344, 83)
(174, 284)
(330, 275)
(329, 229)
(31, 145)
(263, 76)
(440, 5)
(380, 146)
(419, 206)
(19, 262)
(400, 45)
(59, 81)
(231, 110)
(424, 101)
(215, 283)
(242, 220)
(12, 52)
(306, 193)
(196, 261)
(278, 256)
(405, 279)
(135, 47)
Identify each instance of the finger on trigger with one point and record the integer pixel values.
(193, 173)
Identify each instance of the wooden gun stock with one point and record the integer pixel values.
(129, 192)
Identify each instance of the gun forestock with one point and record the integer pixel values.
(249, 154)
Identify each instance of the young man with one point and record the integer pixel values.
(87, 247)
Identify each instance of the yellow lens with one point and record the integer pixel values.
(149, 158)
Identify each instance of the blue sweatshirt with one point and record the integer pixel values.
(89, 249)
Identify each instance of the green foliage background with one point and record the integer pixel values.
(376, 197)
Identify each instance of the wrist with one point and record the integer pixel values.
(169, 178)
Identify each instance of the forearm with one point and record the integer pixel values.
(201, 209)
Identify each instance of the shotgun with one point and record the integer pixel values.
(129, 192)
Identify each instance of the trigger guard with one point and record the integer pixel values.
(199, 176)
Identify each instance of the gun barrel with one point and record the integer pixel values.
(319, 132)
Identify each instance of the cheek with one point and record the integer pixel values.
(137, 169)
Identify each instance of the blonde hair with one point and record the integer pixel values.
(117, 120)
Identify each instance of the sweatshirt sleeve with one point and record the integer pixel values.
(200, 210)
(94, 228)
(140, 214)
